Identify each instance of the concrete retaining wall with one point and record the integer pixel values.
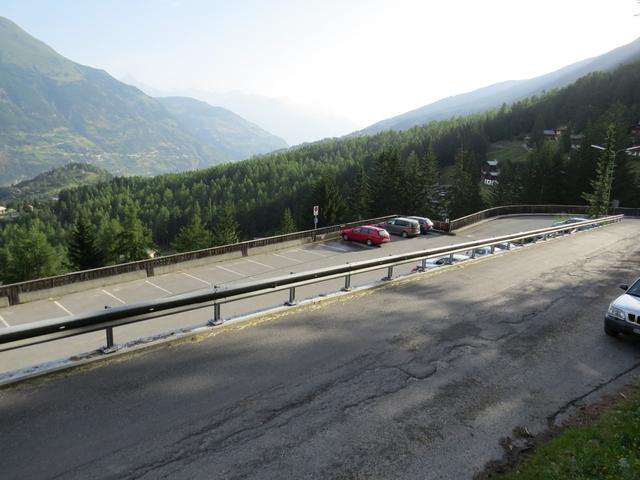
(176, 267)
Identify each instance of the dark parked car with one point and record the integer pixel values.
(402, 226)
(367, 234)
(623, 314)
(425, 224)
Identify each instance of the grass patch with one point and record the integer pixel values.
(603, 444)
(508, 150)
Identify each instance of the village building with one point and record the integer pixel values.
(490, 172)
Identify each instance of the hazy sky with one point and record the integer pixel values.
(366, 60)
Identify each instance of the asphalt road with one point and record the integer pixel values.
(418, 379)
(306, 257)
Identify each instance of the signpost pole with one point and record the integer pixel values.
(316, 211)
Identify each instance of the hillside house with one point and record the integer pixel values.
(550, 134)
(576, 140)
(3, 210)
(490, 172)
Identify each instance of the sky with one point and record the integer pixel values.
(362, 59)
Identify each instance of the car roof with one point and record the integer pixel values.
(373, 227)
(405, 218)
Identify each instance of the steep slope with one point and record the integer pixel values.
(54, 111)
(506, 92)
(221, 128)
(49, 183)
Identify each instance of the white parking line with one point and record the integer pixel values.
(67, 311)
(113, 296)
(231, 271)
(315, 253)
(4, 321)
(285, 257)
(159, 287)
(258, 263)
(333, 247)
(196, 278)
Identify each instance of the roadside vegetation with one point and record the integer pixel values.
(351, 178)
(603, 444)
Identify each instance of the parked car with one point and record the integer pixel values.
(623, 314)
(569, 221)
(441, 261)
(497, 248)
(368, 234)
(425, 224)
(401, 226)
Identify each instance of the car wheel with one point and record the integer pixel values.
(405, 234)
(610, 331)
(345, 237)
(369, 242)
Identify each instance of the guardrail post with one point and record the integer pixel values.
(109, 331)
(493, 249)
(347, 283)
(292, 297)
(424, 264)
(111, 346)
(389, 274)
(217, 318)
(473, 253)
(245, 250)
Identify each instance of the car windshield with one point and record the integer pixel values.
(634, 289)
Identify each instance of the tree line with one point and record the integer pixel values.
(431, 170)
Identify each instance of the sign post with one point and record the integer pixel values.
(316, 211)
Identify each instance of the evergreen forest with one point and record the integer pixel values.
(432, 170)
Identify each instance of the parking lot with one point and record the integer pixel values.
(220, 274)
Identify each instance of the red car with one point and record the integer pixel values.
(367, 234)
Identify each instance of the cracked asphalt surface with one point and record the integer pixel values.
(419, 379)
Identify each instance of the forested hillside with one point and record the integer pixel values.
(511, 91)
(54, 111)
(48, 184)
(391, 172)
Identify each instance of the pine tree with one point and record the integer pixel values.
(428, 180)
(465, 193)
(107, 242)
(388, 184)
(288, 225)
(598, 199)
(327, 197)
(84, 253)
(29, 255)
(226, 230)
(360, 196)
(193, 236)
(134, 240)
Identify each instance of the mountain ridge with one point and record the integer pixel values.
(509, 91)
(55, 111)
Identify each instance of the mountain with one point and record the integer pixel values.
(48, 184)
(506, 92)
(54, 111)
(229, 133)
(293, 122)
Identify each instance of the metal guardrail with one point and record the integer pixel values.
(48, 330)
(12, 291)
